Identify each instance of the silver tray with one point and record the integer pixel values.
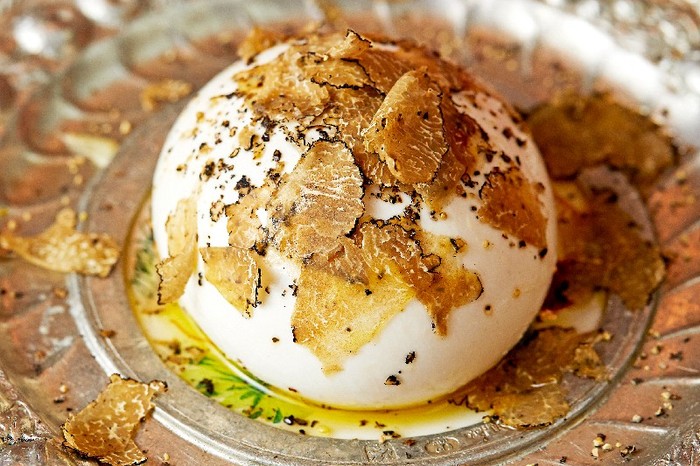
(84, 61)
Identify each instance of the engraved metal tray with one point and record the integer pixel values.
(79, 67)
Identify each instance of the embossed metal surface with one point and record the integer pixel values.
(57, 78)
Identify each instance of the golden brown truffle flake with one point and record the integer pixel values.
(428, 263)
(318, 202)
(524, 389)
(326, 69)
(105, 428)
(531, 408)
(446, 184)
(465, 141)
(243, 224)
(181, 227)
(464, 135)
(576, 132)
(379, 255)
(236, 273)
(352, 46)
(346, 261)
(278, 89)
(602, 247)
(511, 203)
(175, 271)
(383, 67)
(63, 249)
(452, 284)
(335, 318)
(351, 111)
(407, 130)
(389, 246)
(449, 76)
(173, 275)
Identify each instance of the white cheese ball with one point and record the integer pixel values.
(426, 365)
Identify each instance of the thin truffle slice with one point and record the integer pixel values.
(446, 185)
(427, 263)
(466, 140)
(278, 89)
(346, 261)
(352, 46)
(602, 247)
(407, 130)
(63, 249)
(576, 132)
(452, 284)
(337, 72)
(335, 318)
(524, 389)
(105, 428)
(236, 274)
(382, 67)
(389, 247)
(243, 224)
(351, 111)
(511, 204)
(319, 202)
(175, 271)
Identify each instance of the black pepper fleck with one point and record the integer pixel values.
(207, 385)
(392, 380)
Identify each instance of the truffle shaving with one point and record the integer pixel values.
(325, 69)
(351, 112)
(237, 275)
(63, 249)
(175, 271)
(452, 284)
(601, 247)
(575, 132)
(335, 318)
(465, 142)
(389, 247)
(346, 261)
(352, 46)
(318, 202)
(511, 204)
(105, 428)
(383, 67)
(524, 389)
(243, 224)
(407, 130)
(278, 89)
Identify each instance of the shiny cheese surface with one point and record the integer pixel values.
(428, 366)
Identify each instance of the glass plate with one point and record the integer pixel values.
(85, 139)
